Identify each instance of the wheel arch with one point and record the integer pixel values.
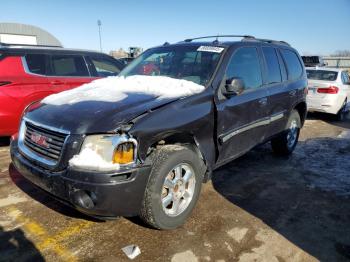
(185, 139)
(302, 110)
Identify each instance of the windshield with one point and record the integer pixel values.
(180, 62)
(322, 75)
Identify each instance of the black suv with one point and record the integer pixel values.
(153, 150)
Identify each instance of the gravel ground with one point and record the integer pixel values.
(257, 208)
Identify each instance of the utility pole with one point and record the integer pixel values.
(99, 32)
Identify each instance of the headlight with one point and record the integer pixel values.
(105, 152)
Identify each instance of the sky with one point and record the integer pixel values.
(311, 26)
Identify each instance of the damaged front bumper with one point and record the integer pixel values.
(98, 194)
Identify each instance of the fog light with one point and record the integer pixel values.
(82, 199)
(124, 153)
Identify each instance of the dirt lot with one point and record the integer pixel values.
(257, 208)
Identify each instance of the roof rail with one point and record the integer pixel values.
(217, 36)
(27, 45)
(270, 41)
(244, 38)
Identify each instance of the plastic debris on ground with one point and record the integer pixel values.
(131, 251)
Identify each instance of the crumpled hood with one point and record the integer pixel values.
(102, 105)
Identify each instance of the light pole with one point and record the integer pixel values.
(99, 32)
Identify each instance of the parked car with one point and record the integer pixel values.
(29, 73)
(310, 61)
(143, 144)
(329, 91)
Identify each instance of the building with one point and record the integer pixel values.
(121, 53)
(338, 62)
(14, 33)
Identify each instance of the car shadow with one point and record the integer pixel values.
(4, 141)
(15, 246)
(45, 198)
(331, 119)
(304, 197)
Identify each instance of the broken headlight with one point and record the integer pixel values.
(105, 153)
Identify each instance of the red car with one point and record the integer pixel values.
(30, 73)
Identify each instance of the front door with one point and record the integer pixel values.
(68, 71)
(242, 119)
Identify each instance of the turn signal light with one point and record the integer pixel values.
(124, 153)
(328, 90)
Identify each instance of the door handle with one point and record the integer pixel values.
(292, 93)
(56, 82)
(263, 101)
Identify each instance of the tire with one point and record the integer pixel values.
(286, 142)
(165, 160)
(341, 115)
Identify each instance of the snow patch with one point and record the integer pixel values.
(187, 256)
(237, 233)
(11, 200)
(344, 134)
(117, 88)
(89, 159)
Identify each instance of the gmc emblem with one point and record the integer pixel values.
(39, 140)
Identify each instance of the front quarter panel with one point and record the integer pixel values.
(192, 116)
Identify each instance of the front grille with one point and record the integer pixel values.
(43, 142)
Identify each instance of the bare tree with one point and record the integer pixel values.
(341, 53)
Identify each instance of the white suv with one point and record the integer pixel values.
(329, 91)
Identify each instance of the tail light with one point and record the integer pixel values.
(2, 83)
(328, 90)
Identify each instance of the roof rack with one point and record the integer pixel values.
(244, 38)
(217, 36)
(270, 41)
(28, 45)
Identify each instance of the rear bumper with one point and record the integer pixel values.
(99, 195)
(329, 104)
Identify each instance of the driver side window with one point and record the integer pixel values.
(245, 64)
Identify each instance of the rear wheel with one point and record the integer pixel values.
(173, 188)
(341, 115)
(286, 142)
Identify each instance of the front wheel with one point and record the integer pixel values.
(286, 142)
(173, 188)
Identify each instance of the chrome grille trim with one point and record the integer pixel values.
(56, 139)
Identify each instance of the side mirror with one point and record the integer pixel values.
(234, 86)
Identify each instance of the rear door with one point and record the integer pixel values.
(68, 71)
(34, 85)
(23, 82)
(241, 119)
(275, 76)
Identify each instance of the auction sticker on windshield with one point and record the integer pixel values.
(213, 49)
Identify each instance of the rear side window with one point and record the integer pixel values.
(322, 75)
(36, 63)
(105, 67)
(245, 64)
(294, 67)
(273, 68)
(68, 65)
(345, 77)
